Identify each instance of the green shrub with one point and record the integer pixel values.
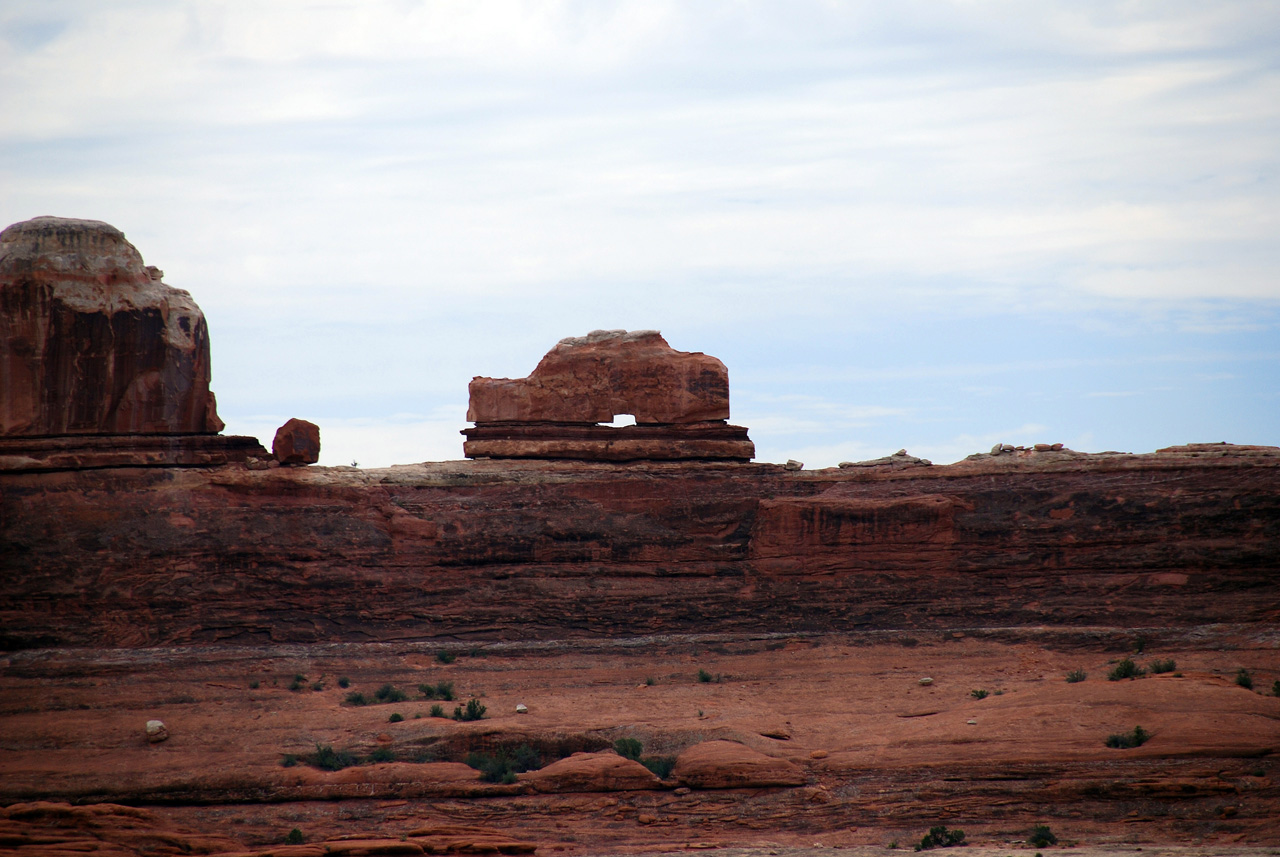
(298, 683)
(443, 690)
(978, 694)
(474, 711)
(661, 766)
(355, 697)
(317, 685)
(502, 767)
(627, 748)
(1126, 740)
(289, 760)
(1275, 688)
(1158, 667)
(294, 837)
(437, 711)
(382, 754)
(940, 837)
(1042, 836)
(1076, 676)
(344, 682)
(388, 693)
(651, 681)
(1125, 669)
(1244, 679)
(328, 759)
(704, 676)
(446, 657)
(396, 717)
(253, 685)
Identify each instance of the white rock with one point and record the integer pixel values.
(156, 731)
(521, 708)
(926, 680)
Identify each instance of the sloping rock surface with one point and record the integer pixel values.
(730, 765)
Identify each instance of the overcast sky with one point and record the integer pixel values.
(931, 225)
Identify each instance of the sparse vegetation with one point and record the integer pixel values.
(317, 685)
(382, 754)
(1076, 676)
(704, 676)
(651, 681)
(344, 682)
(1042, 837)
(474, 711)
(355, 697)
(328, 759)
(1139, 644)
(1275, 688)
(446, 657)
(253, 685)
(437, 710)
(396, 717)
(660, 766)
(443, 690)
(1244, 679)
(1127, 740)
(294, 837)
(1157, 667)
(390, 693)
(940, 837)
(298, 683)
(628, 748)
(978, 694)
(1126, 668)
(502, 767)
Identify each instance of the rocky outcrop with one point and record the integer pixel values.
(91, 340)
(101, 363)
(680, 402)
(592, 772)
(534, 549)
(730, 765)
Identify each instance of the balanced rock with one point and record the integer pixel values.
(591, 379)
(92, 342)
(680, 401)
(297, 442)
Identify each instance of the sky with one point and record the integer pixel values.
(925, 225)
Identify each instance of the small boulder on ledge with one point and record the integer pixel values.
(297, 442)
(156, 731)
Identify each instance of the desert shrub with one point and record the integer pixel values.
(443, 690)
(317, 685)
(627, 748)
(437, 711)
(390, 693)
(940, 837)
(294, 837)
(1244, 679)
(1126, 740)
(1076, 676)
(382, 754)
(476, 652)
(355, 697)
(396, 717)
(1139, 644)
(298, 683)
(1042, 837)
(502, 766)
(446, 657)
(328, 759)
(661, 766)
(651, 681)
(704, 676)
(1126, 668)
(474, 711)
(1275, 688)
(978, 694)
(289, 760)
(1158, 667)
(344, 682)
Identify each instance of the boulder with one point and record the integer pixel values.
(157, 731)
(297, 442)
(593, 378)
(730, 765)
(91, 340)
(592, 772)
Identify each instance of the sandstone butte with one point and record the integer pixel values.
(755, 634)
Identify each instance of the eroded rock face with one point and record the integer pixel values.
(91, 340)
(730, 765)
(593, 378)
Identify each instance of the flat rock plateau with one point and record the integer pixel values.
(758, 636)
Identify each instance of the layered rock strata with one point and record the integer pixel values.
(547, 550)
(680, 402)
(94, 345)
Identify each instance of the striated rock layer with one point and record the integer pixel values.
(92, 342)
(544, 550)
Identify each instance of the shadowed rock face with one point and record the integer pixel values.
(92, 342)
(593, 378)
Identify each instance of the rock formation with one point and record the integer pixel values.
(680, 402)
(94, 345)
(297, 442)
